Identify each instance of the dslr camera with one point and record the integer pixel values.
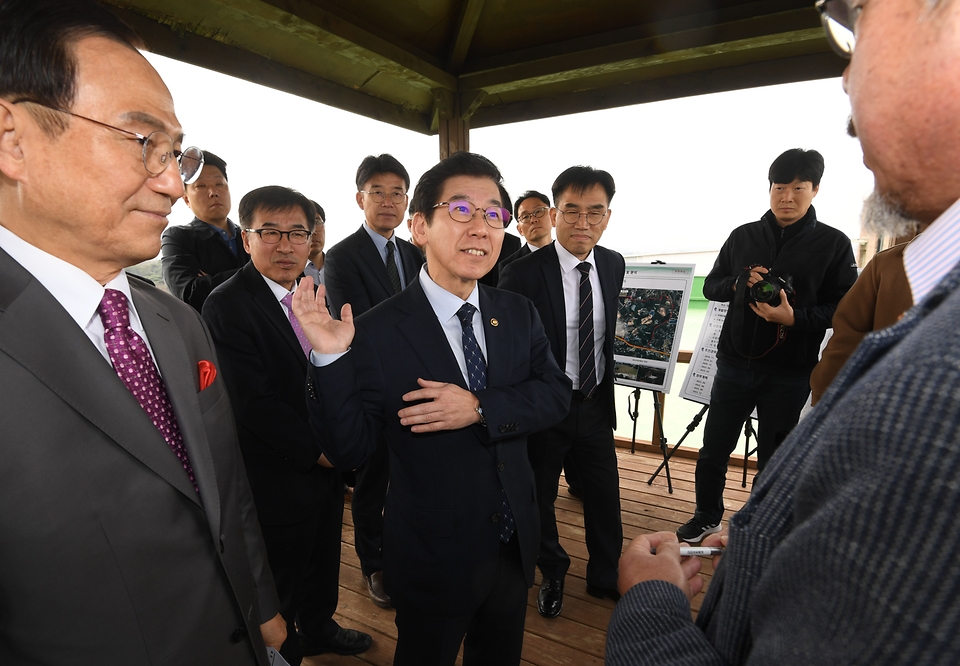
(770, 288)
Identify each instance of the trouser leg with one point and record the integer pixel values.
(731, 402)
(547, 450)
(779, 403)
(367, 508)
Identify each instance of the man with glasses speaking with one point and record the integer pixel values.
(575, 286)
(453, 376)
(129, 534)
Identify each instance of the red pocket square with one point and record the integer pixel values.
(208, 372)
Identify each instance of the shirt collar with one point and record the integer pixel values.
(932, 254)
(377, 239)
(445, 305)
(278, 291)
(76, 291)
(568, 262)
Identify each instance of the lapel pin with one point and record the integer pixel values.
(494, 322)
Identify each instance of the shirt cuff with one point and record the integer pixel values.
(321, 360)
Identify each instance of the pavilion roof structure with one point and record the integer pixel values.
(444, 66)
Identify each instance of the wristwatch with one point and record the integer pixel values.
(483, 421)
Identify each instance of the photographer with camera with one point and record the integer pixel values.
(784, 276)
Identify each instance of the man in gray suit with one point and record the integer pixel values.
(846, 552)
(129, 535)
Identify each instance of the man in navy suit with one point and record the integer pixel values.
(298, 495)
(532, 210)
(575, 285)
(364, 269)
(454, 377)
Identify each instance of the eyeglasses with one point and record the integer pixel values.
(378, 196)
(157, 147)
(594, 217)
(273, 236)
(526, 217)
(463, 211)
(839, 19)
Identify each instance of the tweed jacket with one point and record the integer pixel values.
(846, 551)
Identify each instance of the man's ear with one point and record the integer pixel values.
(12, 125)
(246, 240)
(360, 200)
(418, 229)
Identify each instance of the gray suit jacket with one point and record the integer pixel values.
(846, 552)
(107, 554)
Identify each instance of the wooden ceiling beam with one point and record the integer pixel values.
(582, 58)
(466, 27)
(786, 70)
(240, 63)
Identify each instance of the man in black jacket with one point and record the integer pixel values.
(767, 349)
(197, 257)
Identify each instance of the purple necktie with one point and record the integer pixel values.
(301, 338)
(132, 362)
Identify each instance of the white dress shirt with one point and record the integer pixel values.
(571, 302)
(77, 292)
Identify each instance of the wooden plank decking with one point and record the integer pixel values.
(576, 638)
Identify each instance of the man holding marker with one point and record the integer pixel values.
(846, 551)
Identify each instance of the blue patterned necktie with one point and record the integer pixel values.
(133, 363)
(477, 375)
(588, 358)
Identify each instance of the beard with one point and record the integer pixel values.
(885, 218)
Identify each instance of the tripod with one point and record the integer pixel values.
(634, 411)
(666, 458)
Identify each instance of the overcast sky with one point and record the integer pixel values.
(687, 171)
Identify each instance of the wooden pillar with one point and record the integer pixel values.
(454, 135)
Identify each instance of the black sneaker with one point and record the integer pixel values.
(696, 528)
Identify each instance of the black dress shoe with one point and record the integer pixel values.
(550, 598)
(376, 591)
(603, 592)
(345, 641)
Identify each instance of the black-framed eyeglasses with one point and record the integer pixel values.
(839, 18)
(526, 217)
(594, 217)
(379, 196)
(157, 147)
(273, 236)
(462, 210)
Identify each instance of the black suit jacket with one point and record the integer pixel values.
(108, 553)
(265, 369)
(190, 249)
(524, 251)
(511, 245)
(439, 533)
(354, 273)
(537, 277)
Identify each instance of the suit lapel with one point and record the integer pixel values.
(425, 335)
(370, 255)
(409, 255)
(37, 332)
(553, 283)
(611, 293)
(182, 382)
(272, 311)
(498, 327)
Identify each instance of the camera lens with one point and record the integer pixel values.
(764, 291)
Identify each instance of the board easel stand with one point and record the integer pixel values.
(748, 432)
(633, 410)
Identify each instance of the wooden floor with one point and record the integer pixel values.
(576, 638)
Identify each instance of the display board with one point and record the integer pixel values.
(653, 304)
(703, 363)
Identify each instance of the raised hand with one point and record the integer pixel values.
(326, 334)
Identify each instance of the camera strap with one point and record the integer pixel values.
(739, 314)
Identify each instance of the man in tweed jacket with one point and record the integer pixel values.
(846, 552)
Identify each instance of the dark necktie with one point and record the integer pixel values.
(295, 323)
(392, 271)
(132, 362)
(588, 362)
(477, 375)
